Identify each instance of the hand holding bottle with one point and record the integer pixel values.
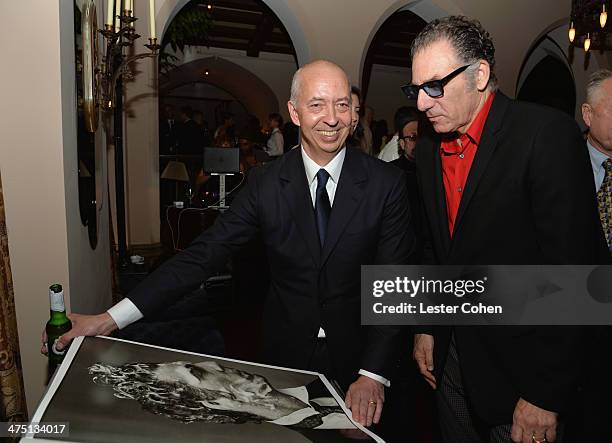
(87, 325)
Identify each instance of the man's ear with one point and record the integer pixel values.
(586, 114)
(483, 74)
(295, 118)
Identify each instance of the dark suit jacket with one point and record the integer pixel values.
(528, 199)
(409, 167)
(309, 287)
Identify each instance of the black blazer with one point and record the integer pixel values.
(310, 287)
(528, 199)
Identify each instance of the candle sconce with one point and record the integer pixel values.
(115, 62)
(100, 80)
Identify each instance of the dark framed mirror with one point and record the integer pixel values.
(85, 52)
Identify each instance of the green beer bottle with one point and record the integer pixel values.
(57, 325)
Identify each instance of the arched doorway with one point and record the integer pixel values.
(547, 79)
(210, 80)
(241, 66)
(387, 67)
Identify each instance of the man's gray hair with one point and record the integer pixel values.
(295, 85)
(466, 35)
(595, 81)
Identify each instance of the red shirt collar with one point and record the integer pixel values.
(474, 132)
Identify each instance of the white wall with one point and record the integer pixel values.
(38, 163)
(141, 148)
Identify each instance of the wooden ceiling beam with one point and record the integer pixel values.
(213, 43)
(261, 35)
(243, 5)
(249, 18)
(226, 15)
(245, 34)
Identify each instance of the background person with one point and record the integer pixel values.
(392, 150)
(275, 143)
(597, 115)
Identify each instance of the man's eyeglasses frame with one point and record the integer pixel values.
(433, 88)
(411, 137)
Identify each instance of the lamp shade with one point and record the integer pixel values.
(175, 170)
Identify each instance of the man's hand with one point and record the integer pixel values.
(365, 398)
(88, 325)
(529, 422)
(423, 354)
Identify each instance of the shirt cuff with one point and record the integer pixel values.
(378, 378)
(125, 313)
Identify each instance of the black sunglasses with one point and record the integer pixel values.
(433, 88)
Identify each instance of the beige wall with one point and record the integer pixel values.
(141, 148)
(39, 172)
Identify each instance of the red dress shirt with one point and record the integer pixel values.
(457, 157)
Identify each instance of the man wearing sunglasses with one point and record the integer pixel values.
(502, 182)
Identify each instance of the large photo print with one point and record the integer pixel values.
(115, 391)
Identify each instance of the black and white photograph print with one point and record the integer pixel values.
(115, 391)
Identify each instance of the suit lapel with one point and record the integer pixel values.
(432, 187)
(297, 195)
(349, 195)
(486, 148)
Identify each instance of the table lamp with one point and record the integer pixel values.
(177, 171)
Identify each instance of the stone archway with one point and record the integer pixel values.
(546, 77)
(425, 9)
(245, 86)
(385, 58)
(552, 42)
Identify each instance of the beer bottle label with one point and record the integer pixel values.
(57, 301)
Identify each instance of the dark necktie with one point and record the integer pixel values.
(322, 205)
(604, 201)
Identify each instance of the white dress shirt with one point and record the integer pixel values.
(333, 168)
(597, 159)
(274, 145)
(390, 152)
(125, 312)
